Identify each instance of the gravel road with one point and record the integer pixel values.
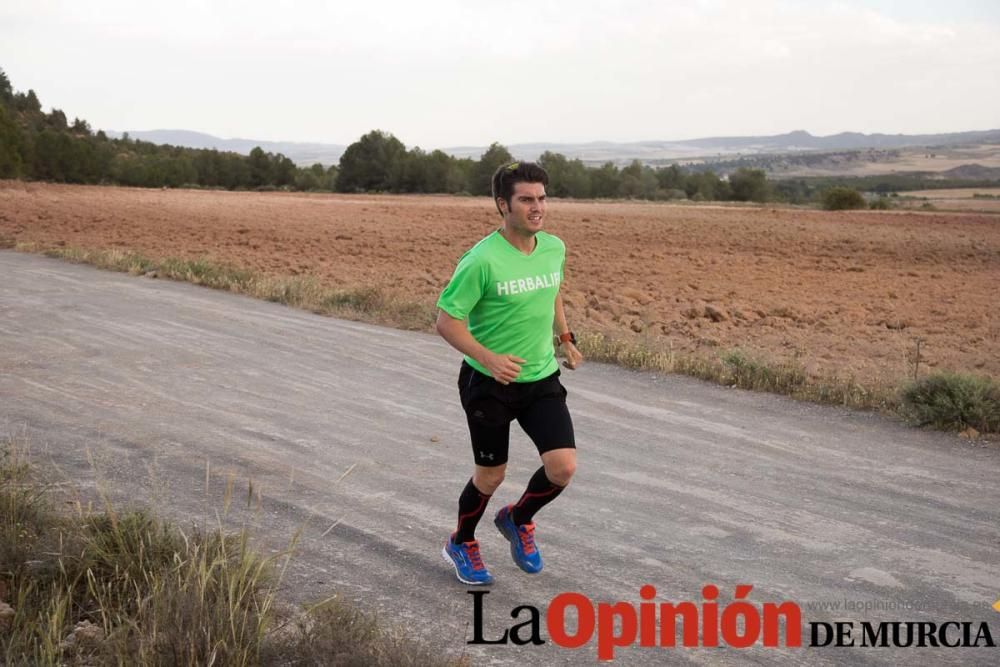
(159, 392)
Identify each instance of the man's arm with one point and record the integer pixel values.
(573, 356)
(503, 367)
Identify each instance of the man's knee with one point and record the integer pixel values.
(488, 479)
(560, 471)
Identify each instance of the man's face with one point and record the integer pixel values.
(527, 209)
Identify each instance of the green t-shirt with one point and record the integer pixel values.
(509, 299)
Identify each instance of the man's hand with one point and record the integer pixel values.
(573, 356)
(503, 367)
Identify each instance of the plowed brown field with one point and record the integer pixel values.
(843, 293)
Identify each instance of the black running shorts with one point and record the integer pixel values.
(539, 407)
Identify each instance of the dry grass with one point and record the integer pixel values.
(336, 633)
(125, 588)
(735, 368)
(368, 304)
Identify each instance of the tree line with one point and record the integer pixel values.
(380, 162)
(35, 145)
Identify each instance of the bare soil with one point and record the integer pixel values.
(843, 293)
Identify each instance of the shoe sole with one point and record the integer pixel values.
(444, 552)
(513, 549)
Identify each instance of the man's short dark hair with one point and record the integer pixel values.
(512, 173)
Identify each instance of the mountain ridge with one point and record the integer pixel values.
(596, 152)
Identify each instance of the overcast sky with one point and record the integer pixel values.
(462, 72)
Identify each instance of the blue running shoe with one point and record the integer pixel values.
(468, 562)
(522, 541)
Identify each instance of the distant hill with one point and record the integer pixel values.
(303, 154)
(802, 140)
(713, 147)
(970, 172)
(598, 152)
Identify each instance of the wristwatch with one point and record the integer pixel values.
(568, 337)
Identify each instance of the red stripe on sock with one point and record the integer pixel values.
(482, 503)
(534, 495)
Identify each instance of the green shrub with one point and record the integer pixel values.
(954, 401)
(842, 199)
(880, 204)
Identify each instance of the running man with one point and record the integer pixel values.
(498, 310)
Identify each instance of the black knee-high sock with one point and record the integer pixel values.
(540, 492)
(471, 505)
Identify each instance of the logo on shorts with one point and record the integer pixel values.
(484, 455)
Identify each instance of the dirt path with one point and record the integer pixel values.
(160, 392)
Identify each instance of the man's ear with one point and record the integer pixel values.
(502, 205)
